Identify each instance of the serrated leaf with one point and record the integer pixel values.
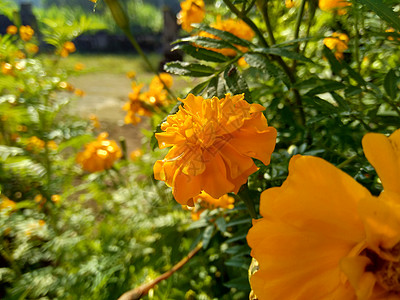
(236, 83)
(390, 84)
(383, 11)
(207, 42)
(201, 53)
(224, 35)
(212, 87)
(283, 52)
(188, 69)
(260, 61)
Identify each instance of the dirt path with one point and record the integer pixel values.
(105, 95)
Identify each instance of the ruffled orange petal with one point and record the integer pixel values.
(303, 261)
(384, 154)
(312, 198)
(381, 217)
(236, 163)
(185, 187)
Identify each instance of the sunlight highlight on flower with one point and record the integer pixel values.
(338, 6)
(99, 155)
(338, 43)
(213, 142)
(325, 236)
(192, 11)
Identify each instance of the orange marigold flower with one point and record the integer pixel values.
(79, 66)
(136, 107)
(338, 6)
(206, 201)
(99, 155)
(19, 54)
(26, 32)
(95, 120)
(338, 43)
(213, 142)
(192, 11)
(79, 92)
(234, 26)
(52, 145)
(12, 29)
(6, 68)
(7, 203)
(325, 236)
(32, 48)
(289, 3)
(35, 144)
(158, 81)
(131, 74)
(56, 198)
(135, 154)
(67, 48)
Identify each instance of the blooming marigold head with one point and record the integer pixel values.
(213, 142)
(326, 236)
(192, 11)
(136, 107)
(338, 6)
(338, 43)
(12, 29)
(234, 26)
(26, 32)
(99, 155)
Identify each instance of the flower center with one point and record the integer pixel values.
(387, 271)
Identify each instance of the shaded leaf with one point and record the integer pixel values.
(201, 53)
(188, 69)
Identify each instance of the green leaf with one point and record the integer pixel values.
(383, 11)
(212, 87)
(238, 261)
(236, 83)
(260, 61)
(326, 86)
(241, 283)
(224, 35)
(283, 52)
(335, 64)
(207, 42)
(390, 84)
(201, 53)
(188, 69)
(6, 151)
(221, 224)
(207, 235)
(199, 89)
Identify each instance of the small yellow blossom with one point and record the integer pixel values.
(32, 48)
(158, 81)
(6, 68)
(79, 92)
(391, 38)
(7, 203)
(338, 43)
(12, 29)
(131, 74)
(213, 142)
(52, 145)
(79, 66)
(95, 120)
(26, 32)
(41, 222)
(192, 11)
(135, 154)
(56, 198)
(234, 26)
(289, 3)
(99, 155)
(35, 144)
(136, 107)
(67, 48)
(338, 6)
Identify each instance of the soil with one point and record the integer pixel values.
(105, 95)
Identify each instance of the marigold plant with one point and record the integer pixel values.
(213, 142)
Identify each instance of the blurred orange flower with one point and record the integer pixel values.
(338, 43)
(192, 11)
(95, 120)
(158, 81)
(135, 107)
(67, 48)
(325, 236)
(213, 142)
(6, 68)
(12, 29)
(234, 26)
(135, 154)
(338, 6)
(391, 38)
(26, 32)
(131, 74)
(56, 198)
(35, 144)
(99, 155)
(7, 203)
(32, 48)
(79, 66)
(79, 92)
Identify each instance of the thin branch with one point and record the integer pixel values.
(263, 6)
(142, 290)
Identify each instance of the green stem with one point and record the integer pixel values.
(139, 50)
(298, 19)
(346, 162)
(263, 6)
(357, 39)
(244, 195)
